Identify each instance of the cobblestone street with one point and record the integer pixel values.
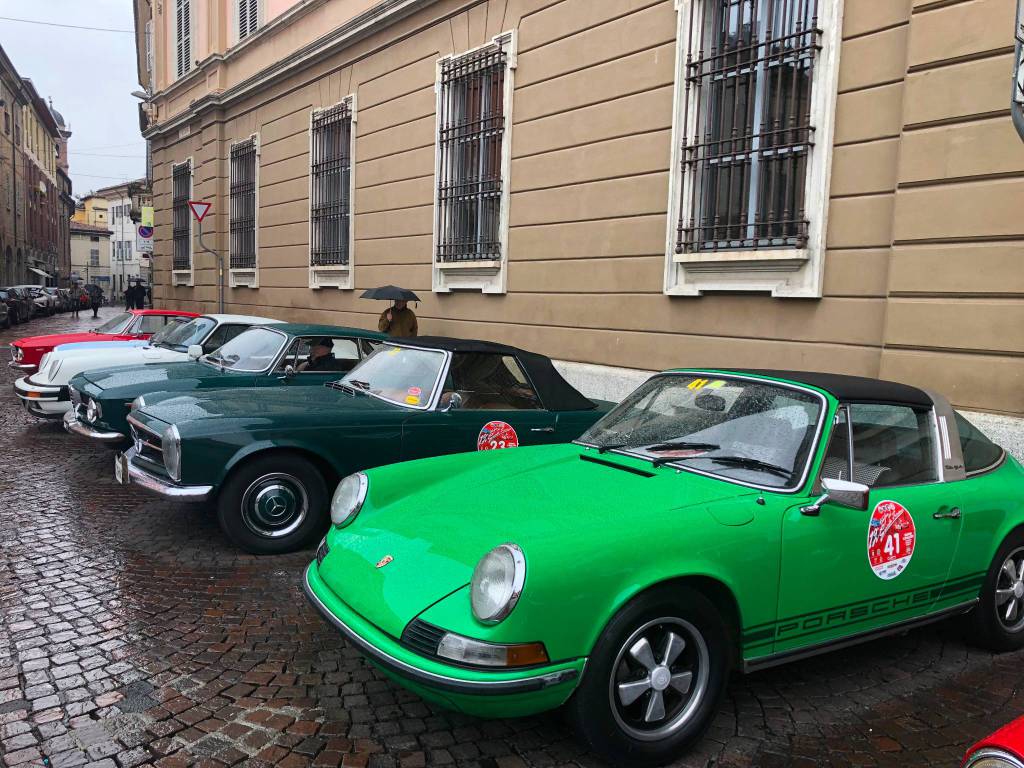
(132, 633)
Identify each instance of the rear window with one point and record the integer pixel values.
(979, 452)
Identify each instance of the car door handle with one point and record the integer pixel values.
(542, 429)
(953, 514)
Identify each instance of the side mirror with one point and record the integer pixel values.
(195, 351)
(842, 492)
(289, 371)
(454, 402)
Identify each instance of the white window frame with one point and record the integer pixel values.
(184, 277)
(340, 276)
(246, 277)
(236, 8)
(178, 40)
(490, 276)
(784, 272)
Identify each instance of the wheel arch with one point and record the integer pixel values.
(260, 450)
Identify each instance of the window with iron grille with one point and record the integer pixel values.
(242, 248)
(181, 225)
(471, 148)
(183, 36)
(748, 128)
(331, 186)
(248, 17)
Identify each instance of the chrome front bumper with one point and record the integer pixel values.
(127, 472)
(76, 427)
(21, 366)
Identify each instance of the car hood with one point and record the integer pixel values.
(151, 375)
(52, 340)
(74, 361)
(440, 516)
(298, 406)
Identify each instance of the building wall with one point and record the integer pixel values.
(82, 244)
(591, 147)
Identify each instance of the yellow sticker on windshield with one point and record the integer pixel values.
(697, 384)
(412, 400)
(716, 384)
(394, 350)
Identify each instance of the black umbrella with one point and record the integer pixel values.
(390, 293)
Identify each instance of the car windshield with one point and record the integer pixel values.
(401, 375)
(746, 430)
(252, 350)
(117, 324)
(181, 336)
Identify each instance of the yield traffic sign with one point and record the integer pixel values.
(199, 209)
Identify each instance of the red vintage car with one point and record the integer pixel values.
(127, 326)
(1002, 749)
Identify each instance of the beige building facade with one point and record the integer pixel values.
(629, 184)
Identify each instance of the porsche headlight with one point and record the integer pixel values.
(93, 411)
(497, 583)
(348, 499)
(170, 444)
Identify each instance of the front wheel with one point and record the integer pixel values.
(274, 504)
(997, 622)
(654, 680)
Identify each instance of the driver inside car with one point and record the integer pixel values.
(321, 356)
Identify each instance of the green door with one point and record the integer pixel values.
(848, 571)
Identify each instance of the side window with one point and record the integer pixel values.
(150, 323)
(979, 452)
(298, 353)
(367, 346)
(222, 336)
(490, 382)
(892, 445)
(836, 464)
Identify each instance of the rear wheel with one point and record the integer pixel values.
(997, 622)
(274, 504)
(654, 680)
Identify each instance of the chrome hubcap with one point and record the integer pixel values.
(274, 505)
(1010, 592)
(659, 678)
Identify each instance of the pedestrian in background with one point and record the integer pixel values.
(76, 299)
(95, 299)
(398, 320)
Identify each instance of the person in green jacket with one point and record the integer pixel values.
(398, 320)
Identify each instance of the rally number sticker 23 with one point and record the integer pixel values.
(495, 435)
(891, 539)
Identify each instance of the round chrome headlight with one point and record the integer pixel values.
(497, 583)
(93, 411)
(992, 758)
(348, 499)
(19, 353)
(170, 444)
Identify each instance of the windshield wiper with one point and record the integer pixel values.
(680, 444)
(745, 462)
(610, 447)
(363, 385)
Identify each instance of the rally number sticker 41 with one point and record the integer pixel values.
(891, 539)
(495, 435)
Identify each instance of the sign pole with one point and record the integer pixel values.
(220, 269)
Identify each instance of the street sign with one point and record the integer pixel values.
(199, 209)
(147, 216)
(144, 239)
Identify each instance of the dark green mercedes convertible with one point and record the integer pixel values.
(270, 455)
(280, 355)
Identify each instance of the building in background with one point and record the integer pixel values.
(90, 254)
(809, 184)
(124, 204)
(34, 184)
(91, 209)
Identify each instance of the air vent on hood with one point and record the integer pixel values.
(613, 465)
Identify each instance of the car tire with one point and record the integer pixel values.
(621, 722)
(274, 504)
(997, 621)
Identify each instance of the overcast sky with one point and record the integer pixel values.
(90, 76)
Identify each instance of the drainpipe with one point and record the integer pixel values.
(1017, 94)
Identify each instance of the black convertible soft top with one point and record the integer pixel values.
(855, 389)
(556, 394)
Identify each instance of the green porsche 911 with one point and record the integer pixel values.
(714, 519)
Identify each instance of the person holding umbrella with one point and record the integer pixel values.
(397, 320)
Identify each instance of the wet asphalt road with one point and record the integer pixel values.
(131, 633)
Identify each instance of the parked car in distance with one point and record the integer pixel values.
(269, 458)
(44, 303)
(102, 398)
(45, 393)
(126, 326)
(20, 308)
(1002, 749)
(5, 312)
(59, 303)
(714, 519)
